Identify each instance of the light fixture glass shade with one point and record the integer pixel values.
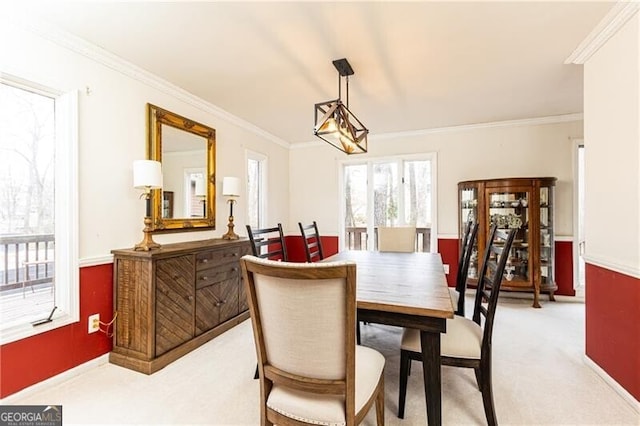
(147, 174)
(201, 188)
(231, 187)
(335, 124)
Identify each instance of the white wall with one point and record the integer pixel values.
(466, 153)
(112, 133)
(612, 151)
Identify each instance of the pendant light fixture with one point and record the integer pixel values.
(335, 124)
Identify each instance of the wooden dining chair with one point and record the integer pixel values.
(311, 370)
(397, 238)
(458, 292)
(311, 241)
(467, 342)
(268, 243)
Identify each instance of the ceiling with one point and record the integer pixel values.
(418, 65)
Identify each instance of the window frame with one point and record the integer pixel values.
(262, 185)
(66, 212)
(399, 160)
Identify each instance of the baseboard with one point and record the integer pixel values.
(634, 403)
(56, 380)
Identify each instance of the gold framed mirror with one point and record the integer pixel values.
(187, 151)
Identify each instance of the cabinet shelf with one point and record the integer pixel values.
(501, 201)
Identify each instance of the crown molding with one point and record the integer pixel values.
(619, 14)
(116, 63)
(95, 53)
(552, 119)
(495, 124)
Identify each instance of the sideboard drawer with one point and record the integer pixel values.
(207, 259)
(214, 275)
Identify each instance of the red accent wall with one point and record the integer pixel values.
(295, 247)
(29, 361)
(35, 359)
(564, 268)
(613, 325)
(449, 249)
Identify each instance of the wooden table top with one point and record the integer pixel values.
(406, 283)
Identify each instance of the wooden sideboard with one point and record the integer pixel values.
(171, 300)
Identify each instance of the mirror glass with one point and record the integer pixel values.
(186, 150)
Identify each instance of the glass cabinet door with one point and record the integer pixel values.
(469, 213)
(510, 210)
(546, 236)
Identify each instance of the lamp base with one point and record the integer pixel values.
(147, 243)
(230, 235)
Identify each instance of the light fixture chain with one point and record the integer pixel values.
(347, 92)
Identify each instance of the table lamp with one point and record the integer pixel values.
(147, 175)
(231, 189)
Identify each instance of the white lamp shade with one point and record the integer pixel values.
(201, 189)
(231, 186)
(147, 174)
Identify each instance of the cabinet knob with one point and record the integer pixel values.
(204, 278)
(190, 298)
(234, 269)
(204, 260)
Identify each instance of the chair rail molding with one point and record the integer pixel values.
(96, 261)
(612, 265)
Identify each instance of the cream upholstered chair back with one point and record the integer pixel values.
(303, 319)
(304, 324)
(398, 239)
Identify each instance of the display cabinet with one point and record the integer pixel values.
(522, 203)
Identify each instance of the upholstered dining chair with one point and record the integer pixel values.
(311, 370)
(398, 238)
(268, 243)
(467, 342)
(468, 240)
(311, 241)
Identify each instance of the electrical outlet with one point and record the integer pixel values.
(94, 323)
(446, 269)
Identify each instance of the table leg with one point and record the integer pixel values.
(432, 376)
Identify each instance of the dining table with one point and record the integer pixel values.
(406, 290)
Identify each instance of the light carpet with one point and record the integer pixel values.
(539, 376)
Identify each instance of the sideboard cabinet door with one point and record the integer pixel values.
(175, 302)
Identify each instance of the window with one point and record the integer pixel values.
(256, 187)
(401, 194)
(195, 192)
(38, 209)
